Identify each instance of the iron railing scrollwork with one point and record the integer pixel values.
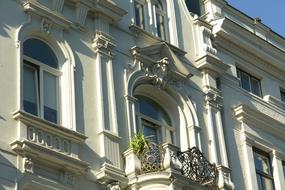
(152, 158)
(195, 166)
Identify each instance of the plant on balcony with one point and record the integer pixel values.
(139, 143)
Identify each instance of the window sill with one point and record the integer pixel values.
(53, 128)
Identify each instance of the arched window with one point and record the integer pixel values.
(154, 120)
(159, 18)
(40, 80)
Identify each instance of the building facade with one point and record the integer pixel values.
(80, 79)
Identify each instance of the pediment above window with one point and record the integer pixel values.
(162, 63)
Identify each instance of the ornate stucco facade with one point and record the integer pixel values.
(80, 78)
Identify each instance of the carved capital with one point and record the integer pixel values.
(103, 42)
(213, 98)
(28, 165)
(158, 72)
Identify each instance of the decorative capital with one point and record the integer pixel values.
(103, 43)
(158, 72)
(28, 165)
(213, 98)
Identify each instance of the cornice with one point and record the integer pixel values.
(51, 157)
(250, 42)
(34, 7)
(246, 114)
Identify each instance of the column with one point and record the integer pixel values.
(106, 100)
(217, 147)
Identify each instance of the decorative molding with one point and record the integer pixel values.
(255, 118)
(28, 165)
(158, 72)
(213, 98)
(34, 7)
(69, 179)
(50, 127)
(81, 13)
(104, 43)
(57, 5)
(49, 156)
(46, 26)
(211, 64)
(48, 140)
(274, 101)
(224, 179)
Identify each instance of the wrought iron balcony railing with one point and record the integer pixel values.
(190, 163)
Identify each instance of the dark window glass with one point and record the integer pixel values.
(193, 6)
(139, 15)
(282, 93)
(30, 85)
(40, 51)
(150, 108)
(249, 82)
(263, 170)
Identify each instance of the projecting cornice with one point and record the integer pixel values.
(226, 29)
(246, 114)
(99, 8)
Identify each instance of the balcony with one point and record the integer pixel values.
(161, 166)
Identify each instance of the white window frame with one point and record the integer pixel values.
(42, 67)
(251, 77)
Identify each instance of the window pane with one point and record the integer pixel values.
(50, 97)
(267, 184)
(259, 181)
(282, 95)
(255, 88)
(30, 104)
(262, 163)
(245, 81)
(40, 51)
(152, 109)
(150, 133)
(139, 15)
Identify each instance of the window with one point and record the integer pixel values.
(139, 14)
(40, 80)
(249, 82)
(193, 6)
(154, 121)
(282, 93)
(159, 17)
(263, 170)
(154, 11)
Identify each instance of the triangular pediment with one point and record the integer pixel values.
(151, 55)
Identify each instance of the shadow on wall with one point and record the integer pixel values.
(8, 171)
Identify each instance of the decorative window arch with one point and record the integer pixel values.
(40, 80)
(60, 64)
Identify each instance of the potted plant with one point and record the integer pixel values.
(139, 143)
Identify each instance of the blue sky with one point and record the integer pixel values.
(271, 12)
